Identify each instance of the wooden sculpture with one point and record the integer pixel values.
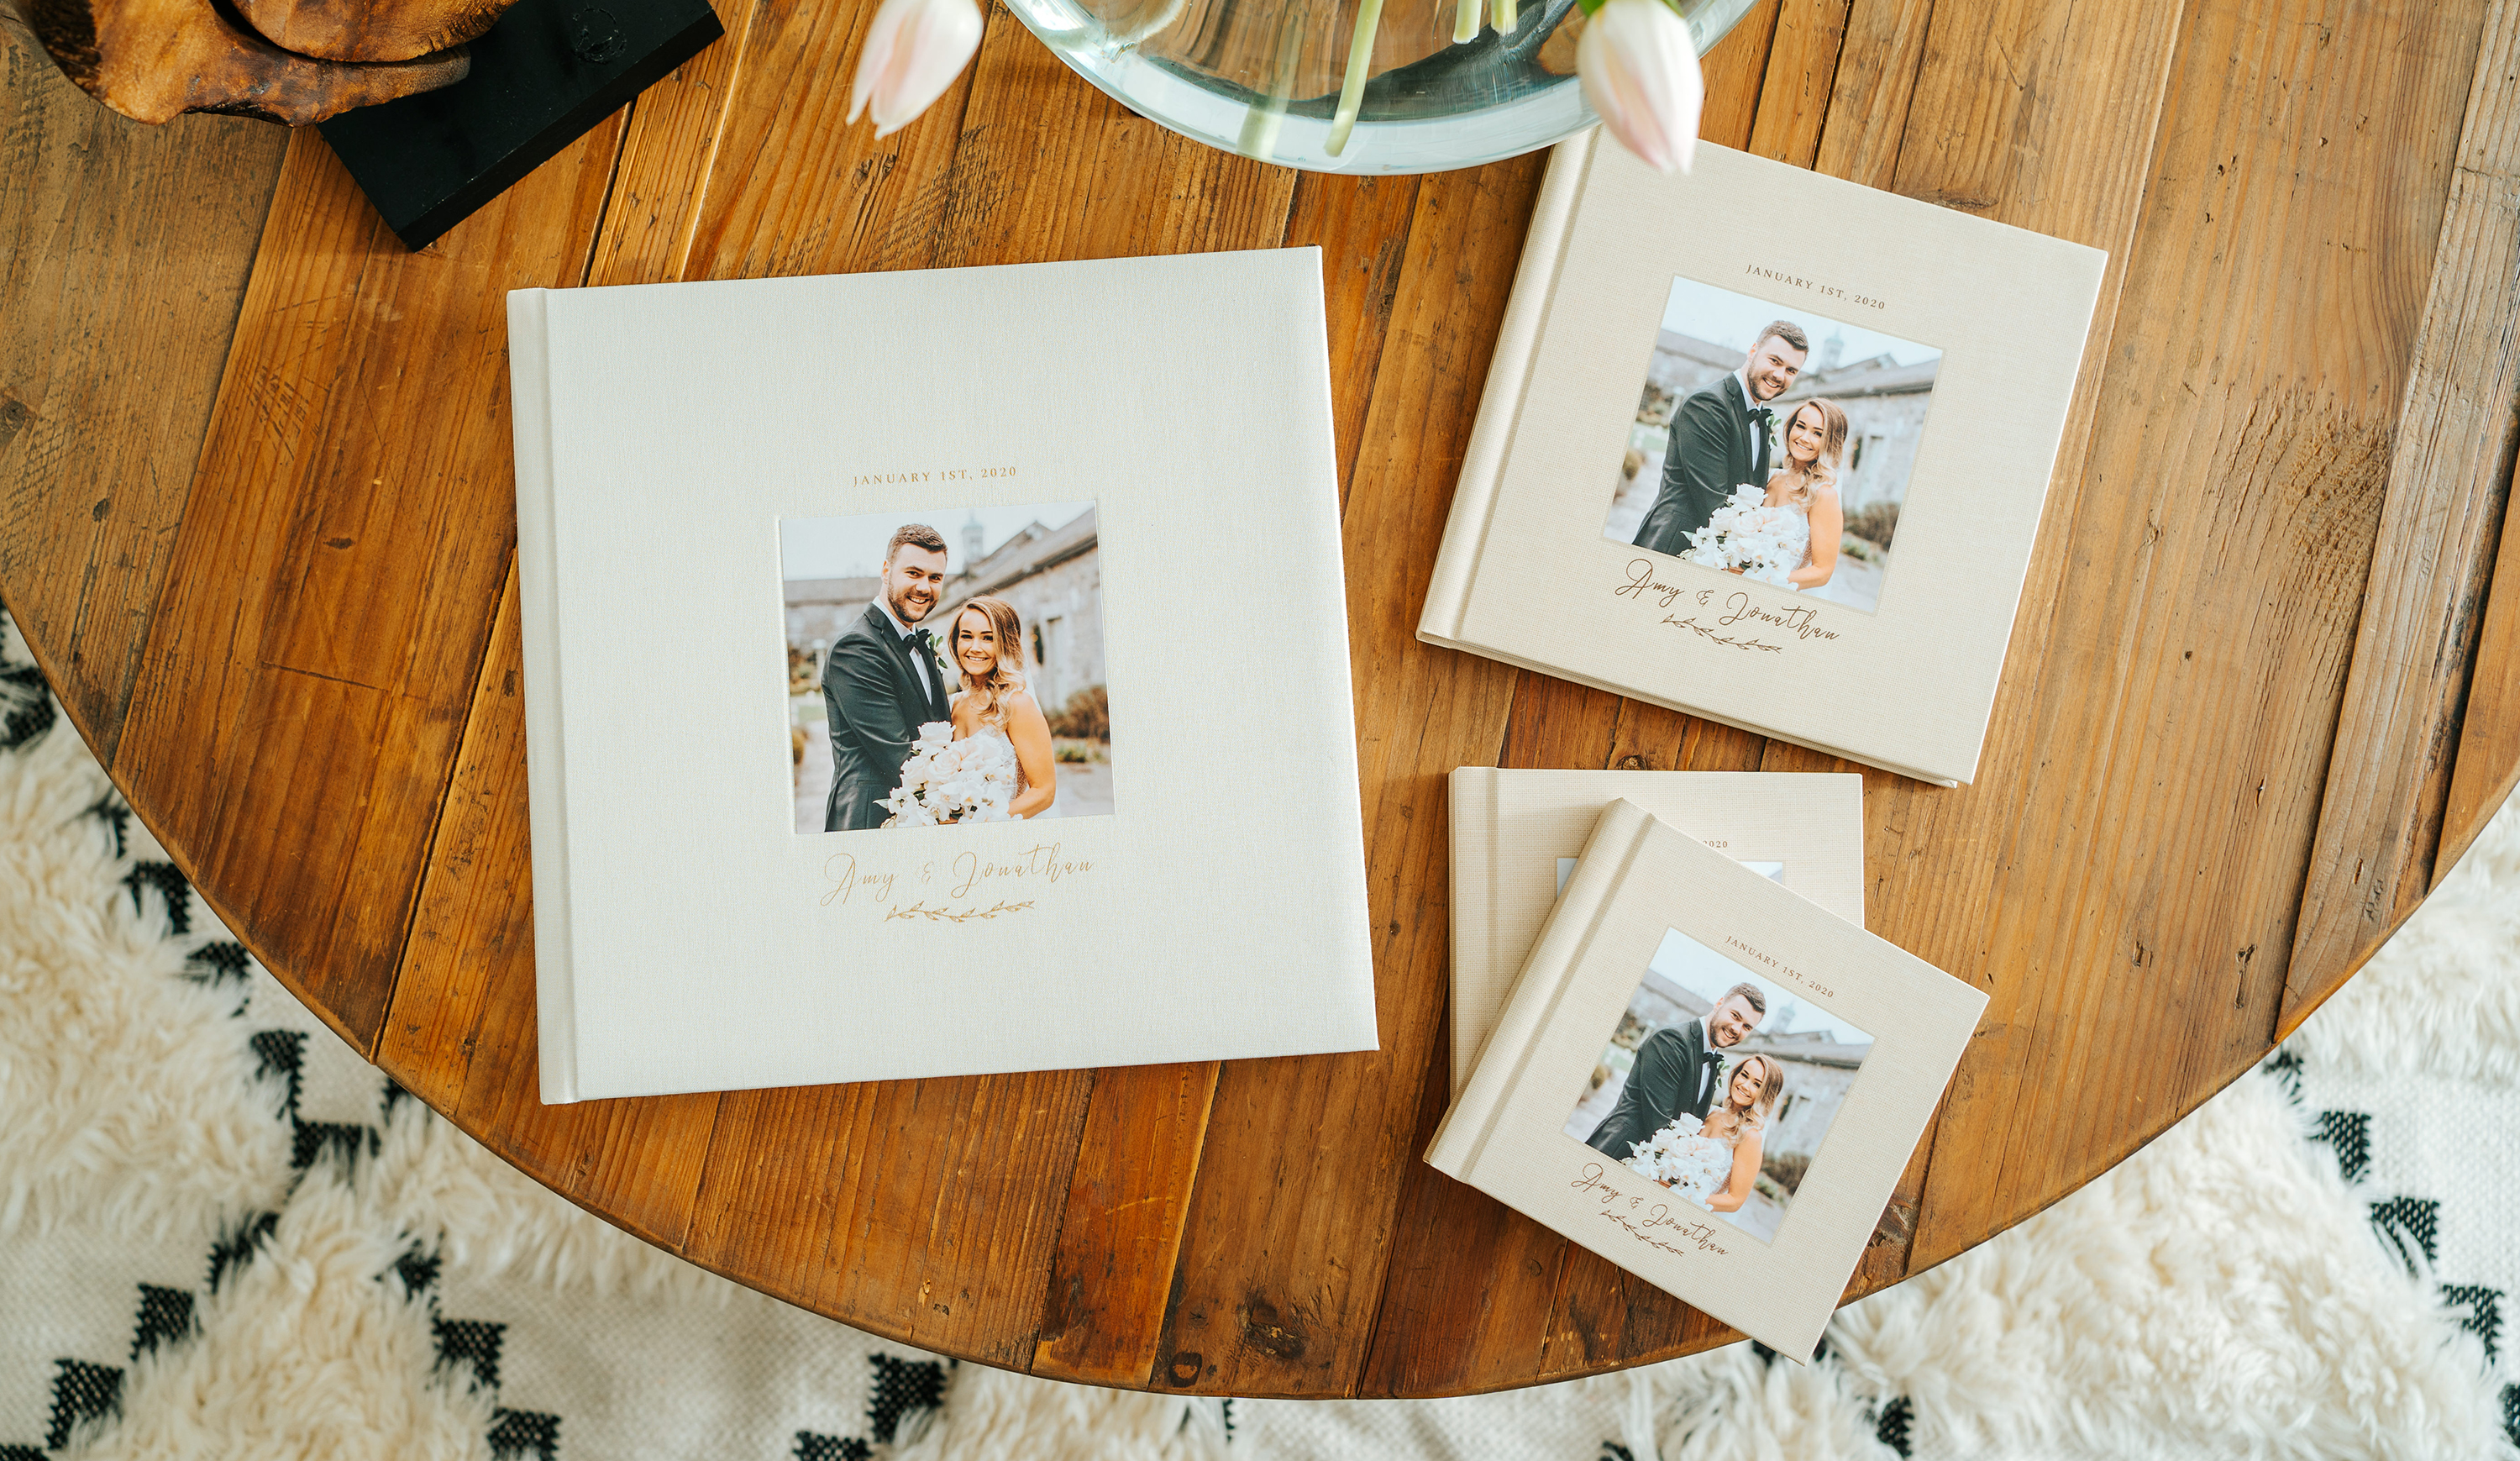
(154, 59)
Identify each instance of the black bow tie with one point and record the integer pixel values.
(926, 639)
(1764, 414)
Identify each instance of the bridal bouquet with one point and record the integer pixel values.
(1747, 534)
(946, 780)
(1658, 1158)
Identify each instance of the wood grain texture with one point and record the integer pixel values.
(311, 662)
(1473, 1295)
(1277, 1295)
(2397, 739)
(1120, 1236)
(2196, 651)
(2296, 390)
(118, 245)
(2489, 731)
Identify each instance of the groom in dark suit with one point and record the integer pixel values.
(1679, 1071)
(881, 681)
(1719, 439)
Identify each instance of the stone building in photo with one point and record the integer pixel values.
(1053, 576)
(1885, 404)
(820, 611)
(1819, 1072)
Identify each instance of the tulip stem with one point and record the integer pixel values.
(1465, 21)
(1505, 20)
(1360, 50)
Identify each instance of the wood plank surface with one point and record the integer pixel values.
(2489, 729)
(2199, 648)
(314, 655)
(1472, 1297)
(2389, 778)
(301, 661)
(124, 252)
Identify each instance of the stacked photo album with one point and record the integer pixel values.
(892, 684)
(1710, 1081)
(1516, 836)
(1766, 447)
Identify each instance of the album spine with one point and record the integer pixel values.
(1474, 898)
(1541, 989)
(1526, 317)
(538, 619)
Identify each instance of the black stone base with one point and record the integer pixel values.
(541, 78)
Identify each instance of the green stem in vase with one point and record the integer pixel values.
(1465, 21)
(1360, 50)
(1505, 20)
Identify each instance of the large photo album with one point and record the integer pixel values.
(1766, 447)
(870, 734)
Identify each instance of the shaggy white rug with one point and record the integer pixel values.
(223, 1234)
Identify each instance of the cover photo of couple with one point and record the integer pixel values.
(1776, 446)
(945, 665)
(1719, 1085)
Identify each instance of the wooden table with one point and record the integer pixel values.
(2262, 688)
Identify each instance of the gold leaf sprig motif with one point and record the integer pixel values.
(1739, 644)
(954, 915)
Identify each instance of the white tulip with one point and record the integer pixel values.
(914, 50)
(1639, 73)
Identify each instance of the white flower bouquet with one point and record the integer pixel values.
(946, 780)
(1748, 536)
(1658, 1158)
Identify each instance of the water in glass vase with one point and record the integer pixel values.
(1358, 86)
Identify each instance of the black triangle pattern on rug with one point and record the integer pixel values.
(2350, 1133)
(81, 1391)
(2484, 1318)
(518, 1434)
(116, 818)
(2286, 1067)
(165, 1315)
(470, 1342)
(2410, 1225)
(166, 881)
(221, 961)
(25, 706)
(811, 1447)
(282, 1053)
(418, 1269)
(902, 1387)
(239, 1244)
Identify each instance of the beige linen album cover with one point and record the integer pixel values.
(1769, 447)
(1516, 836)
(1738, 1157)
(894, 689)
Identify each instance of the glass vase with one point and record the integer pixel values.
(1266, 78)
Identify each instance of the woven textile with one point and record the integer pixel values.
(221, 1233)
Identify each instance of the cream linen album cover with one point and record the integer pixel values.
(1516, 836)
(930, 673)
(1708, 1080)
(1767, 447)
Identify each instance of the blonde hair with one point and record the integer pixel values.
(1771, 1088)
(1007, 680)
(1832, 443)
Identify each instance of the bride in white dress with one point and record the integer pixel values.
(1815, 437)
(987, 647)
(1711, 1163)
